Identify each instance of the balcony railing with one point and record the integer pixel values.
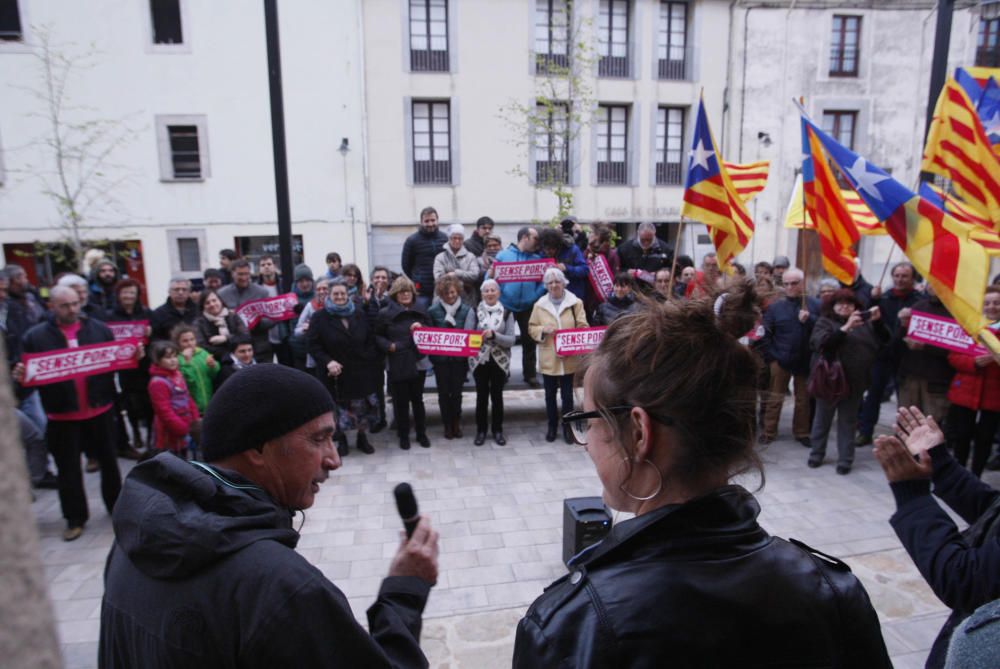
(613, 173)
(676, 66)
(432, 171)
(551, 62)
(669, 174)
(428, 61)
(613, 66)
(551, 171)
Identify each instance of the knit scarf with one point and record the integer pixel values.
(344, 311)
(490, 318)
(449, 312)
(218, 321)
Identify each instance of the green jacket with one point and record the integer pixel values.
(199, 376)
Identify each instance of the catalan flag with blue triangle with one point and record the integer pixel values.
(711, 198)
(938, 246)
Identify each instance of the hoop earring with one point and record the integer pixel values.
(659, 486)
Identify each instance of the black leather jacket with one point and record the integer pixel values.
(702, 585)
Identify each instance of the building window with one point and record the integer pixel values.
(988, 43)
(552, 144)
(669, 146)
(429, 35)
(10, 22)
(189, 254)
(613, 37)
(672, 61)
(166, 15)
(431, 142)
(845, 46)
(252, 248)
(612, 144)
(183, 146)
(841, 126)
(551, 35)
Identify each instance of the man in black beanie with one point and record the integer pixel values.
(203, 571)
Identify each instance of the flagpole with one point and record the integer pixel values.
(800, 245)
(673, 265)
(885, 269)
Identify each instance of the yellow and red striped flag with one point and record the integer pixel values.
(958, 149)
(748, 178)
(865, 221)
(711, 198)
(979, 227)
(827, 208)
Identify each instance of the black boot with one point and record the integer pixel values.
(568, 434)
(550, 436)
(480, 438)
(423, 440)
(341, 440)
(404, 442)
(363, 445)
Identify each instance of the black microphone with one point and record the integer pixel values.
(406, 503)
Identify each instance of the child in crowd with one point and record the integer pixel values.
(240, 357)
(196, 364)
(175, 415)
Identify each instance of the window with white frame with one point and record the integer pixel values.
(613, 38)
(551, 35)
(10, 21)
(431, 142)
(189, 254)
(166, 20)
(429, 35)
(552, 143)
(183, 145)
(612, 144)
(672, 50)
(670, 146)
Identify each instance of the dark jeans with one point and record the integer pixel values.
(405, 393)
(564, 384)
(450, 378)
(490, 379)
(882, 373)
(139, 412)
(529, 355)
(66, 439)
(847, 420)
(963, 430)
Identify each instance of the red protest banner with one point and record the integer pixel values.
(578, 341)
(942, 332)
(601, 279)
(123, 330)
(446, 341)
(522, 270)
(279, 308)
(72, 363)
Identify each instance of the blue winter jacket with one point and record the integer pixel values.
(786, 339)
(521, 295)
(577, 270)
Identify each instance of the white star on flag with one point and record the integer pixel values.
(992, 125)
(866, 180)
(700, 155)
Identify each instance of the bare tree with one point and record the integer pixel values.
(78, 149)
(564, 102)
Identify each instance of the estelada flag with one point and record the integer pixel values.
(979, 231)
(938, 246)
(865, 221)
(711, 198)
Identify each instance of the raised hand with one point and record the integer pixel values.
(920, 433)
(897, 462)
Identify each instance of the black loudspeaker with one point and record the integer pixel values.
(585, 522)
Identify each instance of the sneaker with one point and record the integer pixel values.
(862, 440)
(363, 445)
(72, 533)
(48, 482)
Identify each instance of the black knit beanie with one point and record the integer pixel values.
(257, 404)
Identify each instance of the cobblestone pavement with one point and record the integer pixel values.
(499, 512)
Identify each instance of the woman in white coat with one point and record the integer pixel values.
(557, 309)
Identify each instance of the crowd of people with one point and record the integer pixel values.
(357, 337)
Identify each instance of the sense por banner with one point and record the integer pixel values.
(123, 330)
(445, 341)
(601, 279)
(942, 332)
(72, 363)
(279, 308)
(578, 341)
(522, 270)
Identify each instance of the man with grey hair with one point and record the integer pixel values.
(788, 324)
(646, 252)
(82, 288)
(179, 308)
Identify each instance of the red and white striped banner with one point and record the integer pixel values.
(72, 363)
(128, 330)
(279, 308)
(578, 341)
(522, 270)
(601, 278)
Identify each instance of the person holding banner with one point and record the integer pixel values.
(217, 326)
(450, 311)
(520, 296)
(924, 373)
(599, 251)
(407, 367)
(491, 366)
(558, 309)
(621, 302)
(568, 258)
(133, 382)
(646, 251)
(975, 396)
(241, 291)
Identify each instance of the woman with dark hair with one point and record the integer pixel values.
(407, 366)
(133, 382)
(342, 343)
(376, 298)
(554, 244)
(692, 580)
(622, 300)
(217, 326)
(450, 311)
(847, 334)
(355, 282)
(599, 244)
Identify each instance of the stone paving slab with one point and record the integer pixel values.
(499, 512)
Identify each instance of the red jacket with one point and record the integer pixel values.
(974, 387)
(173, 408)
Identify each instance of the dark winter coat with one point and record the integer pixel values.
(166, 316)
(417, 260)
(890, 304)
(205, 329)
(962, 567)
(393, 327)
(861, 289)
(607, 312)
(856, 350)
(353, 347)
(203, 573)
(786, 339)
(233, 297)
(61, 397)
(930, 362)
(437, 315)
(633, 256)
(577, 270)
(133, 380)
(701, 584)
